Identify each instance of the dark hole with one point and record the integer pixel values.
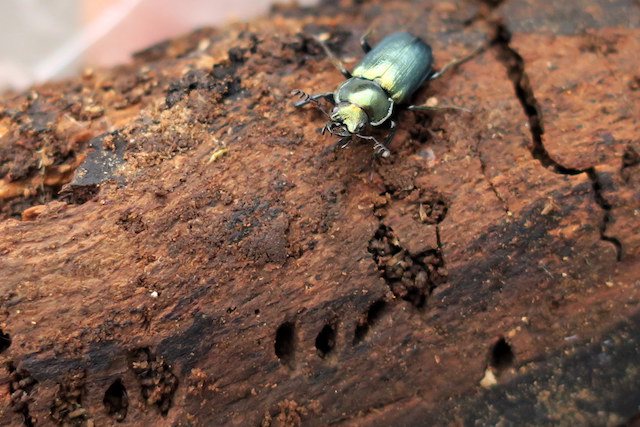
(361, 331)
(493, 3)
(284, 344)
(256, 311)
(373, 314)
(501, 355)
(416, 297)
(630, 157)
(432, 211)
(326, 340)
(116, 401)
(5, 341)
(375, 311)
(28, 420)
(78, 194)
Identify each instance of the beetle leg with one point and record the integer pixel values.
(453, 64)
(333, 58)
(436, 108)
(379, 149)
(364, 43)
(311, 98)
(390, 135)
(344, 142)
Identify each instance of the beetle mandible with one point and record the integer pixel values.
(388, 75)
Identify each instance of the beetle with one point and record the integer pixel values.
(387, 77)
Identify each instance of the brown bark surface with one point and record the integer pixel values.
(180, 246)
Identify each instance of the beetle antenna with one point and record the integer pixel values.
(437, 107)
(308, 99)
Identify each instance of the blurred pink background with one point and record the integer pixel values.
(49, 39)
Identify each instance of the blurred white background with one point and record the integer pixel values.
(49, 39)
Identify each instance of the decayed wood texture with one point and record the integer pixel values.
(180, 246)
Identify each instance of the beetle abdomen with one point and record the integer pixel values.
(400, 63)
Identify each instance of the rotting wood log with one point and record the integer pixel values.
(180, 246)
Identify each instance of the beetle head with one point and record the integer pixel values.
(347, 118)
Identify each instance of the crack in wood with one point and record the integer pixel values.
(514, 63)
(483, 169)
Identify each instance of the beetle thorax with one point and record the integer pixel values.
(368, 96)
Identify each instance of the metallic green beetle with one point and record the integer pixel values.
(388, 76)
